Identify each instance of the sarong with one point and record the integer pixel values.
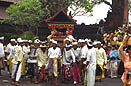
(10, 65)
(113, 69)
(66, 72)
(42, 74)
(2, 63)
(52, 67)
(23, 67)
(76, 73)
(32, 69)
(99, 72)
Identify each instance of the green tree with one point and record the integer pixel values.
(81, 7)
(77, 7)
(26, 13)
(28, 35)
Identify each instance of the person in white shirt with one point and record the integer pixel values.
(75, 68)
(91, 65)
(10, 49)
(54, 53)
(68, 59)
(101, 60)
(17, 63)
(26, 49)
(2, 54)
(32, 62)
(83, 54)
(42, 62)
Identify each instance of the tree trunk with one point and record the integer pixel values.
(125, 20)
(118, 16)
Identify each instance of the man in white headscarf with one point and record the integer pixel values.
(10, 49)
(42, 62)
(68, 58)
(17, 63)
(83, 54)
(101, 60)
(33, 61)
(54, 54)
(91, 65)
(75, 69)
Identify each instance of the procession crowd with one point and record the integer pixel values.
(83, 60)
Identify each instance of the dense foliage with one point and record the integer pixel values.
(27, 13)
(76, 7)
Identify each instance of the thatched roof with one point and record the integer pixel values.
(10, 0)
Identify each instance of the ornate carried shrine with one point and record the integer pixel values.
(61, 25)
